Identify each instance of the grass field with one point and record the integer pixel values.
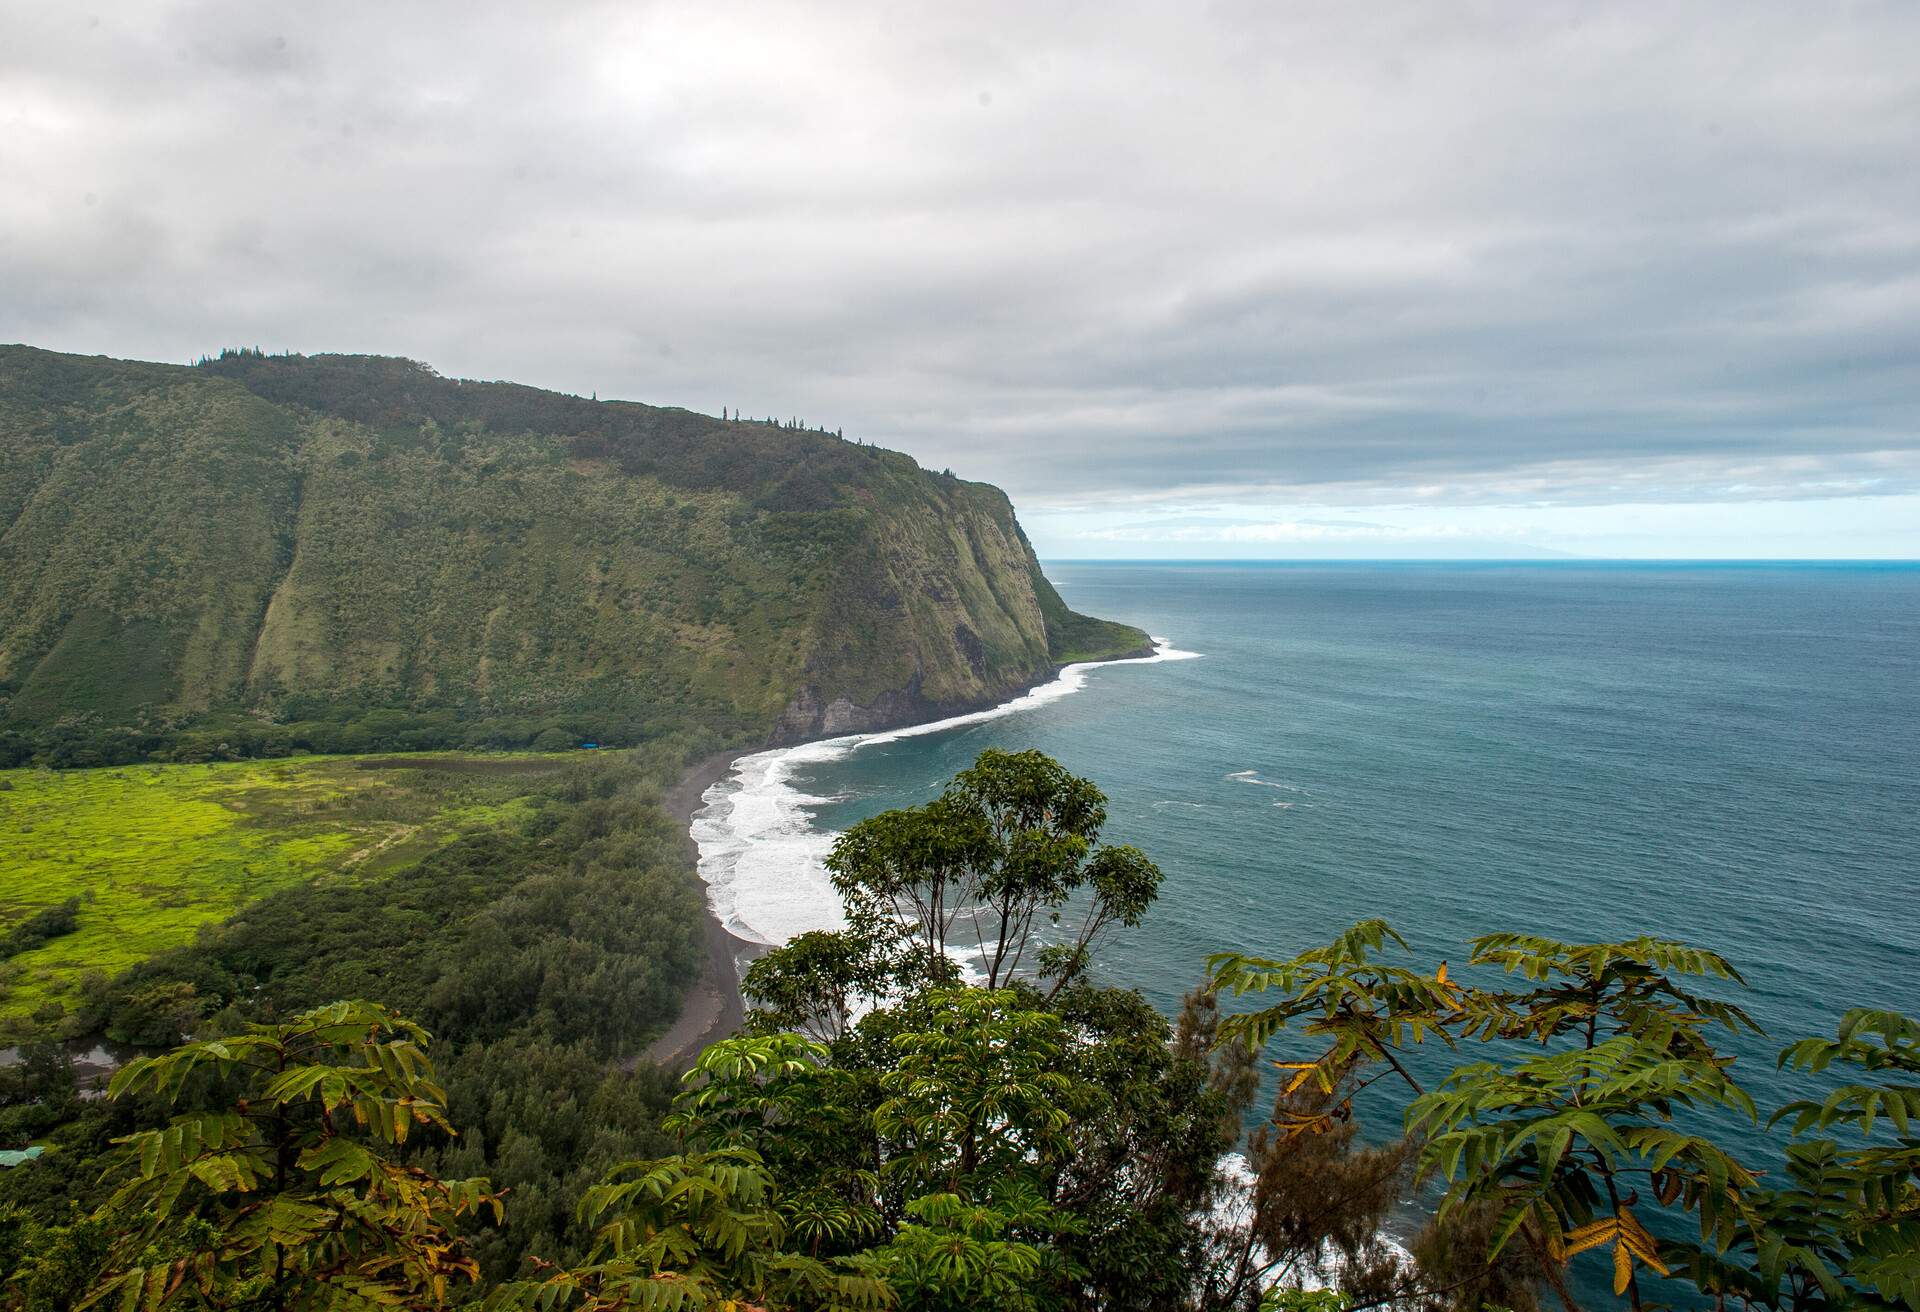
(155, 851)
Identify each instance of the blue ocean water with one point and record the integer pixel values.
(1726, 754)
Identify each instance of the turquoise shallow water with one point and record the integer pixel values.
(1724, 754)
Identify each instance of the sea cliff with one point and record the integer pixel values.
(325, 540)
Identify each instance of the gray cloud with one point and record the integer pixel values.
(1525, 253)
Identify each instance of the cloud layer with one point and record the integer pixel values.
(1510, 254)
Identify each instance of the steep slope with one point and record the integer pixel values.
(318, 539)
(145, 513)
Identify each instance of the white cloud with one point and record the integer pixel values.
(1512, 253)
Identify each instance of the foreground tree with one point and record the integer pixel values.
(281, 1187)
(1553, 1143)
(1588, 1130)
(941, 1113)
(937, 1160)
(1566, 1140)
(953, 1255)
(1842, 1229)
(1010, 847)
(689, 1233)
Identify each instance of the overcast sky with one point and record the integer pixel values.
(1185, 279)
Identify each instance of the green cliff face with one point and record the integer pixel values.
(278, 534)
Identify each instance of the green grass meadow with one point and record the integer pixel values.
(153, 852)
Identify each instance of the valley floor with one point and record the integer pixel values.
(154, 852)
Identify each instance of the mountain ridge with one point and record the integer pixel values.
(260, 541)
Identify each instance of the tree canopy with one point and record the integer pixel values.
(887, 1135)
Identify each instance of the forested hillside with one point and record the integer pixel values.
(347, 553)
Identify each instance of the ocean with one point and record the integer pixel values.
(1725, 754)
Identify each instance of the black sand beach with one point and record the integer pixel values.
(713, 1008)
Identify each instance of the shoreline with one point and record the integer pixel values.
(714, 1008)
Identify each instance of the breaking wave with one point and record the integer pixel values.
(763, 860)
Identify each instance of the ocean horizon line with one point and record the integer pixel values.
(1481, 562)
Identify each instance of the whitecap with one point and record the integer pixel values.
(1253, 777)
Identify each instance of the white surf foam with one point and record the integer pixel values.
(1233, 1208)
(1253, 777)
(763, 861)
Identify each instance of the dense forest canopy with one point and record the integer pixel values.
(887, 1134)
